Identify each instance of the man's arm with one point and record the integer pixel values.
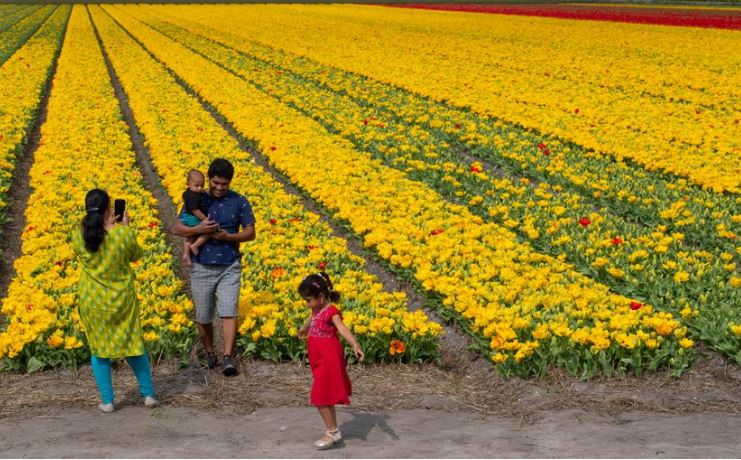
(247, 234)
(206, 226)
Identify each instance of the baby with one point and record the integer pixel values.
(195, 211)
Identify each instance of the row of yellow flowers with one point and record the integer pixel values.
(22, 80)
(707, 219)
(11, 14)
(528, 310)
(652, 263)
(601, 85)
(292, 241)
(16, 35)
(84, 144)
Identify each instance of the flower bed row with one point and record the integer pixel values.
(11, 14)
(84, 145)
(292, 241)
(15, 36)
(23, 78)
(688, 17)
(463, 59)
(527, 310)
(650, 263)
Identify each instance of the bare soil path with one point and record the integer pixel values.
(398, 411)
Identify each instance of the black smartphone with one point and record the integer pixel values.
(119, 206)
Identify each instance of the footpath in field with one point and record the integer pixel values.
(288, 433)
(397, 411)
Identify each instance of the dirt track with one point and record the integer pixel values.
(289, 431)
(398, 411)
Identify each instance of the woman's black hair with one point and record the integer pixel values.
(221, 168)
(318, 283)
(97, 202)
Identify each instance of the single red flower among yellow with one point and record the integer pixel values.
(584, 222)
(617, 241)
(278, 272)
(635, 305)
(397, 347)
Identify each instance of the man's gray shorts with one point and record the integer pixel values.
(215, 286)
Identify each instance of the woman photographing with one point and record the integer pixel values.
(109, 308)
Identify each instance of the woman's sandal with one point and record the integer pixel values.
(329, 439)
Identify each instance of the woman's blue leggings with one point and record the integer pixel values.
(102, 373)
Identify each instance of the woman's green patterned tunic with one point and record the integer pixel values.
(109, 308)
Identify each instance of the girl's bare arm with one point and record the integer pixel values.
(304, 330)
(347, 335)
(199, 214)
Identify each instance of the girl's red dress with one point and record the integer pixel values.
(327, 360)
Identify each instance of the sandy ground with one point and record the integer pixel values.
(288, 432)
(398, 411)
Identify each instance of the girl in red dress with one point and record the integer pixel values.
(326, 355)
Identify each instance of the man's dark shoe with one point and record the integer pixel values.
(227, 366)
(211, 360)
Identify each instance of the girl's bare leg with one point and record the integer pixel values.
(329, 415)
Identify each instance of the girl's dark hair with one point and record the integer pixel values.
(97, 202)
(316, 284)
(221, 168)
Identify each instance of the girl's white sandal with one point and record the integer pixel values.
(328, 440)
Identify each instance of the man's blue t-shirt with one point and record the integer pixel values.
(230, 212)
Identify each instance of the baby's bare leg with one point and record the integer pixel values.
(200, 241)
(186, 251)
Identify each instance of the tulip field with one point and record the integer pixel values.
(563, 189)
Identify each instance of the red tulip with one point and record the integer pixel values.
(476, 168)
(576, 110)
(635, 305)
(541, 146)
(617, 241)
(322, 265)
(584, 222)
(547, 152)
(437, 231)
(273, 221)
(457, 126)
